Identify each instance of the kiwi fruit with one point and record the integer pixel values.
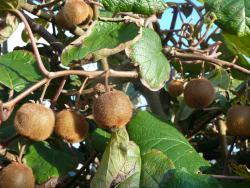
(112, 109)
(17, 175)
(199, 93)
(71, 126)
(74, 12)
(175, 88)
(34, 121)
(238, 118)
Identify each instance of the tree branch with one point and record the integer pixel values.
(90, 74)
(41, 66)
(186, 56)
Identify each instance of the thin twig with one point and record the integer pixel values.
(85, 165)
(47, 5)
(59, 90)
(80, 92)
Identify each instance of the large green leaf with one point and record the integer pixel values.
(233, 16)
(120, 162)
(154, 165)
(47, 162)
(147, 53)
(146, 7)
(241, 44)
(232, 48)
(149, 132)
(18, 70)
(103, 39)
(184, 179)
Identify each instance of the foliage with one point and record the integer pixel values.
(137, 47)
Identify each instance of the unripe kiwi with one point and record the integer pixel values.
(112, 109)
(199, 93)
(34, 121)
(74, 12)
(71, 126)
(175, 88)
(238, 119)
(17, 175)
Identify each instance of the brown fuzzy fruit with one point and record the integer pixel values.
(175, 88)
(112, 109)
(71, 126)
(74, 12)
(238, 118)
(34, 121)
(199, 93)
(16, 175)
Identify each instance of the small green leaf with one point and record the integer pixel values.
(120, 161)
(232, 16)
(10, 4)
(146, 7)
(154, 165)
(117, 37)
(149, 133)
(9, 26)
(147, 53)
(219, 78)
(18, 70)
(184, 179)
(47, 162)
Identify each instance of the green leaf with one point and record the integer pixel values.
(146, 7)
(230, 50)
(233, 184)
(232, 16)
(219, 78)
(18, 70)
(184, 179)
(9, 26)
(147, 53)
(149, 133)
(100, 139)
(154, 165)
(117, 37)
(241, 44)
(120, 162)
(10, 4)
(47, 162)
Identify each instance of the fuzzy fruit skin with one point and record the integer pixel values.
(175, 88)
(112, 110)
(71, 126)
(34, 121)
(17, 175)
(74, 12)
(238, 119)
(199, 93)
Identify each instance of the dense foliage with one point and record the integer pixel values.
(135, 93)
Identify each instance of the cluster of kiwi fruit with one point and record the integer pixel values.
(198, 93)
(74, 12)
(111, 109)
(37, 122)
